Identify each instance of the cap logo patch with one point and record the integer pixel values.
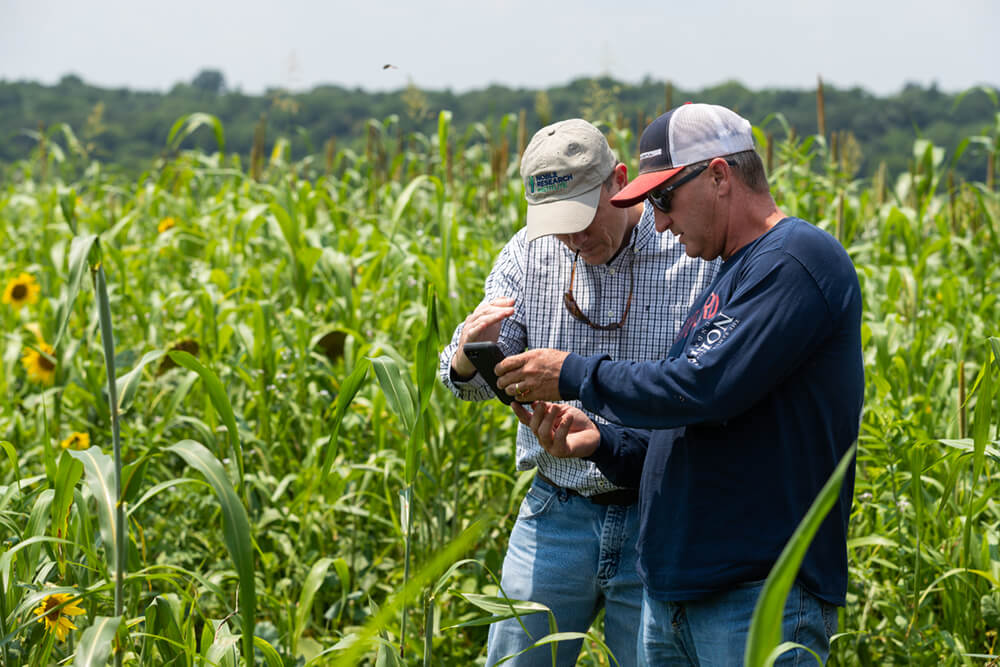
(649, 154)
(550, 182)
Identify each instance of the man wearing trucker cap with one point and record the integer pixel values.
(762, 392)
(586, 276)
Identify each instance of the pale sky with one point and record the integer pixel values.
(465, 45)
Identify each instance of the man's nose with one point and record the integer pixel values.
(661, 220)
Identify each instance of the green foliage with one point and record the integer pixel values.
(126, 128)
(95, 644)
(289, 319)
(236, 529)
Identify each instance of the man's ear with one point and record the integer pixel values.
(621, 175)
(719, 169)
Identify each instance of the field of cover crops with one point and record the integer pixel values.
(224, 442)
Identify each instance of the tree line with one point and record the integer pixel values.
(128, 128)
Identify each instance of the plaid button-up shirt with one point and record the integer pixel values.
(537, 274)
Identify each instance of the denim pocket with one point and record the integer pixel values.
(829, 619)
(537, 501)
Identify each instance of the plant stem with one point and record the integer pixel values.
(107, 339)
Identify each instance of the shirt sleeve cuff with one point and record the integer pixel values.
(605, 452)
(571, 376)
(458, 380)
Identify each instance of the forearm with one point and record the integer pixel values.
(641, 395)
(765, 332)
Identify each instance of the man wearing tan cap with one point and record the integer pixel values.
(585, 276)
(752, 409)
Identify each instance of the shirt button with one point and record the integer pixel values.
(612, 272)
(611, 313)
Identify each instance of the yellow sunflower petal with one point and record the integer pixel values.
(77, 441)
(38, 366)
(62, 628)
(73, 610)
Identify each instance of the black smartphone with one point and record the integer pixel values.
(484, 356)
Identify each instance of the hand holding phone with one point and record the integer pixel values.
(484, 355)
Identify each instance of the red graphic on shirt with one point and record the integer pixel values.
(709, 310)
(711, 307)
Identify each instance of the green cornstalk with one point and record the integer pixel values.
(108, 341)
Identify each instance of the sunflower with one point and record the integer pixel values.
(21, 290)
(165, 224)
(56, 618)
(77, 441)
(40, 367)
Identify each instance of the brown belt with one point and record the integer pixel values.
(616, 497)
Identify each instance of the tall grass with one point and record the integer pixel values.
(296, 489)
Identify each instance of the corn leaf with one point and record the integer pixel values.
(7, 558)
(313, 582)
(68, 474)
(8, 449)
(235, 525)
(348, 390)
(186, 125)
(99, 472)
(220, 400)
(79, 250)
(95, 644)
(398, 390)
(271, 657)
(980, 437)
(128, 383)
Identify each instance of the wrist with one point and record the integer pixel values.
(460, 372)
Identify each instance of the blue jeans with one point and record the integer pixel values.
(713, 631)
(574, 557)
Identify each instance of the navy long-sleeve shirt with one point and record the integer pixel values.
(745, 421)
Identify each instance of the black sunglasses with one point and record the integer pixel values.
(660, 197)
(574, 308)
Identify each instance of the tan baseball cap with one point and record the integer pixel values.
(563, 169)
